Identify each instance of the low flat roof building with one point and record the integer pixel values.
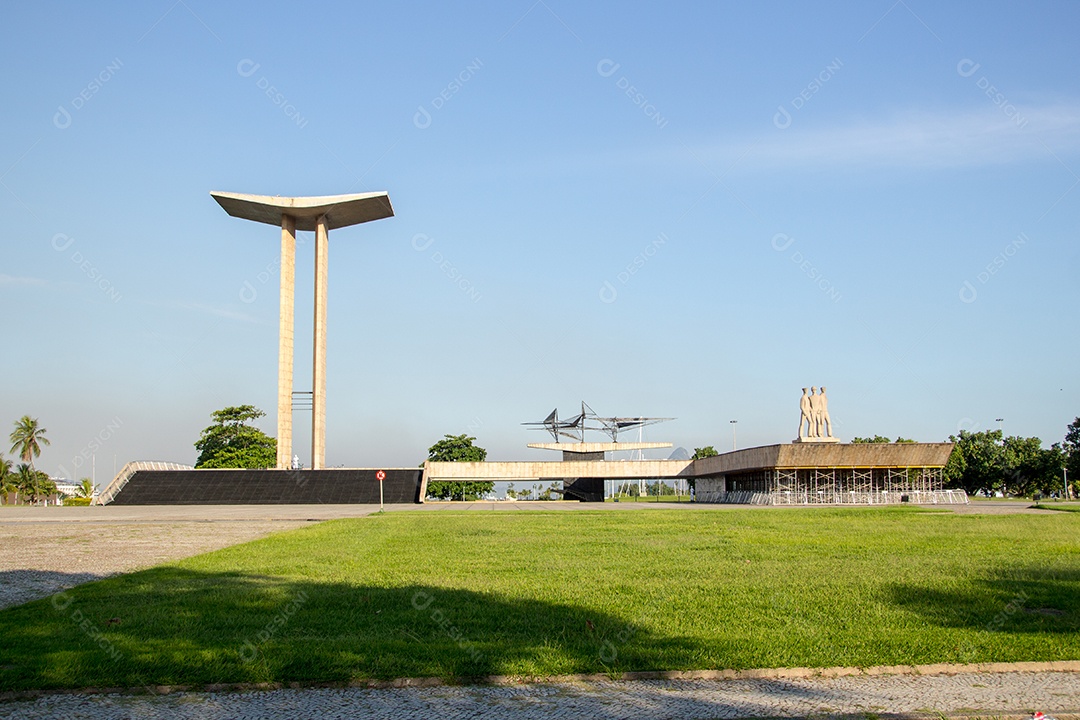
(834, 473)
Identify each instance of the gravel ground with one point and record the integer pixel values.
(1001, 695)
(42, 558)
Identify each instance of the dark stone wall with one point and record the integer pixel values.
(268, 487)
(583, 489)
(569, 456)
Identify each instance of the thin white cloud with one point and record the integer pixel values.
(14, 281)
(917, 140)
(221, 312)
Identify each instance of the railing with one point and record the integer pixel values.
(125, 474)
(915, 497)
(734, 497)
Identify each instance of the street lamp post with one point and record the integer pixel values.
(1004, 490)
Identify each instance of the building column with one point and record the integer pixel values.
(285, 342)
(318, 379)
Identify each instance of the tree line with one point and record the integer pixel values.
(24, 481)
(987, 463)
(984, 462)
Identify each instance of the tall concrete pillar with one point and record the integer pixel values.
(285, 342)
(320, 214)
(318, 373)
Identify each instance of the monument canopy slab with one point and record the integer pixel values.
(340, 210)
(589, 447)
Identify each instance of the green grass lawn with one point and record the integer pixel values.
(651, 498)
(460, 594)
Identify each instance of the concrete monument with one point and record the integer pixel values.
(824, 420)
(806, 426)
(318, 214)
(815, 426)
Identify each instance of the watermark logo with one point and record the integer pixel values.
(609, 648)
(781, 242)
(61, 243)
(422, 118)
(1015, 605)
(968, 291)
(607, 67)
(421, 242)
(608, 292)
(967, 68)
(63, 119)
(62, 603)
(782, 118)
(247, 68)
(249, 650)
(422, 601)
(967, 425)
(92, 446)
(248, 292)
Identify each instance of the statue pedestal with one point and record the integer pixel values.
(816, 440)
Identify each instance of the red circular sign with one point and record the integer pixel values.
(380, 476)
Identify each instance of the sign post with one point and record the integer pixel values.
(380, 476)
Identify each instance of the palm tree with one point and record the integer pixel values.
(7, 481)
(27, 439)
(34, 483)
(25, 481)
(47, 487)
(85, 488)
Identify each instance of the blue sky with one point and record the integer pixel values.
(679, 209)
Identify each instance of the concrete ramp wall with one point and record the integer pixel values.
(269, 487)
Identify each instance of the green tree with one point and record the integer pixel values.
(977, 463)
(34, 483)
(659, 488)
(1019, 458)
(699, 453)
(85, 488)
(1072, 453)
(27, 439)
(877, 439)
(986, 462)
(1030, 469)
(7, 481)
(458, 448)
(1050, 471)
(232, 443)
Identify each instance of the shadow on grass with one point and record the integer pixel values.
(1019, 600)
(173, 626)
(1059, 508)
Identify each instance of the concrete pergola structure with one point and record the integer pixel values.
(591, 451)
(318, 214)
(861, 473)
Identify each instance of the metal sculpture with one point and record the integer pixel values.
(575, 427)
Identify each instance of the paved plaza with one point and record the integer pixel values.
(1001, 695)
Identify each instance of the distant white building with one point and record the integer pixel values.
(65, 488)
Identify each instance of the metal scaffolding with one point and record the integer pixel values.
(832, 486)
